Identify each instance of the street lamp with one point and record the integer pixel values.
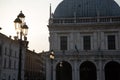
(21, 29)
(52, 57)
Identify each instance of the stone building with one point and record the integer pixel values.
(34, 69)
(85, 37)
(9, 58)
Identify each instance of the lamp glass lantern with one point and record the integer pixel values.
(25, 29)
(20, 25)
(52, 56)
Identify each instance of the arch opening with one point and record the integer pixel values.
(88, 71)
(63, 71)
(112, 71)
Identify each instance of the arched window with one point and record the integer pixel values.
(112, 71)
(63, 71)
(88, 71)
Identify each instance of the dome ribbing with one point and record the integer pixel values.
(87, 8)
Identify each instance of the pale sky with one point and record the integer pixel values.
(37, 15)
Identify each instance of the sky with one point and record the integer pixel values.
(36, 17)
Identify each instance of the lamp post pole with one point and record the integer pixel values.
(22, 29)
(20, 57)
(51, 69)
(52, 56)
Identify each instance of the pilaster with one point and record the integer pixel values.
(100, 71)
(75, 71)
(119, 40)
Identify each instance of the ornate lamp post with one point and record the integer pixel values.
(52, 57)
(22, 30)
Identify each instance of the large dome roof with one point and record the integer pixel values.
(86, 8)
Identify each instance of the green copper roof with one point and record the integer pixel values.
(86, 8)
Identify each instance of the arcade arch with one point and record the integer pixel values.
(87, 71)
(63, 71)
(112, 71)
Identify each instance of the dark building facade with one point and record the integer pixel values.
(34, 68)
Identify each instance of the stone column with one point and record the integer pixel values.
(100, 71)
(71, 41)
(75, 71)
(95, 41)
(55, 42)
(76, 68)
(119, 40)
(102, 42)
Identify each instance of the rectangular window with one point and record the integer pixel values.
(14, 64)
(9, 63)
(4, 63)
(86, 42)
(111, 42)
(5, 51)
(0, 49)
(10, 52)
(63, 42)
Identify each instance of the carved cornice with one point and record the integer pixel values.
(89, 55)
(96, 26)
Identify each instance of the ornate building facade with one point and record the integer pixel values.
(85, 37)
